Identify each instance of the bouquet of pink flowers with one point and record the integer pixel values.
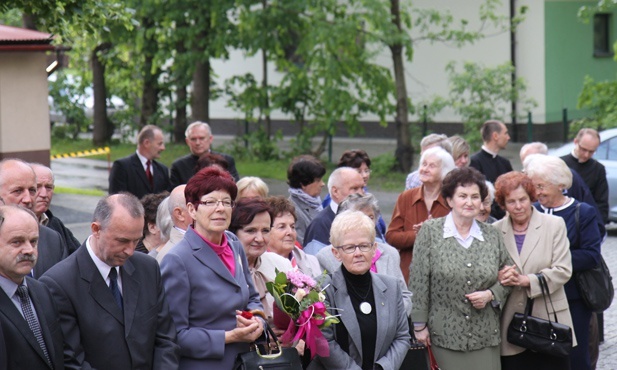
(302, 299)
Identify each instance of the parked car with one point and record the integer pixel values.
(607, 155)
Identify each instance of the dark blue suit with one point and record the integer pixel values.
(18, 346)
(97, 333)
(128, 174)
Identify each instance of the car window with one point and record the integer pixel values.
(604, 148)
(611, 149)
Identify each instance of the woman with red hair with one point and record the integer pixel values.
(207, 279)
(537, 243)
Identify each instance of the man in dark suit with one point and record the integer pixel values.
(31, 335)
(342, 182)
(111, 301)
(488, 161)
(198, 137)
(18, 187)
(139, 173)
(44, 194)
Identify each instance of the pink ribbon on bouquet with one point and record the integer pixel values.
(307, 327)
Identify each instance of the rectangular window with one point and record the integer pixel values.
(602, 46)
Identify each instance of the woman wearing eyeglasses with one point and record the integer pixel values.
(457, 297)
(207, 279)
(373, 332)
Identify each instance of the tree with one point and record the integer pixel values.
(479, 92)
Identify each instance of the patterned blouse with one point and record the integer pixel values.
(443, 272)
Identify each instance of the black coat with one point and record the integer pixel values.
(128, 174)
(22, 349)
(183, 168)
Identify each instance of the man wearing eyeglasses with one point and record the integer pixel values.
(593, 172)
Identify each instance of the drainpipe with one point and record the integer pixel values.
(513, 61)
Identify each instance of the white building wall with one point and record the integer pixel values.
(426, 76)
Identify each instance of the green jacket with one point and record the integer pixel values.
(443, 272)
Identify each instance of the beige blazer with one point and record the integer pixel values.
(546, 249)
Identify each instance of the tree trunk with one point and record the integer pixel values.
(180, 121)
(404, 149)
(264, 85)
(150, 91)
(103, 129)
(29, 21)
(201, 91)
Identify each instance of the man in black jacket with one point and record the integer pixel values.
(140, 173)
(45, 192)
(488, 161)
(593, 172)
(31, 335)
(198, 137)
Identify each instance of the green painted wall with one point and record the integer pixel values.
(569, 57)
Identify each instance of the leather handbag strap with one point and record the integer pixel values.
(432, 360)
(545, 293)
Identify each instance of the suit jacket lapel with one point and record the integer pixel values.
(348, 314)
(381, 311)
(130, 294)
(532, 238)
(139, 169)
(208, 258)
(10, 311)
(508, 238)
(98, 288)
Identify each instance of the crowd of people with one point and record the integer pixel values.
(175, 272)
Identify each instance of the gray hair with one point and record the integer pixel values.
(163, 219)
(440, 140)
(532, 148)
(176, 199)
(6, 209)
(336, 177)
(190, 128)
(36, 164)
(105, 207)
(351, 221)
(359, 202)
(491, 190)
(446, 160)
(550, 169)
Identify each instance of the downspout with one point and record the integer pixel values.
(513, 62)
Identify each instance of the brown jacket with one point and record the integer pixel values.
(410, 210)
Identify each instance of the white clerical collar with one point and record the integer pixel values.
(489, 151)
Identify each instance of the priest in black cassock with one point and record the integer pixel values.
(488, 161)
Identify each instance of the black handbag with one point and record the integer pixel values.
(595, 285)
(417, 354)
(277, 358)
(537, 334)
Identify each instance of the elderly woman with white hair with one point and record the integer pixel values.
(164, 224)
(414, 206)
(551, 176)
(373, 332)
(386, 260)
(485, 206)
